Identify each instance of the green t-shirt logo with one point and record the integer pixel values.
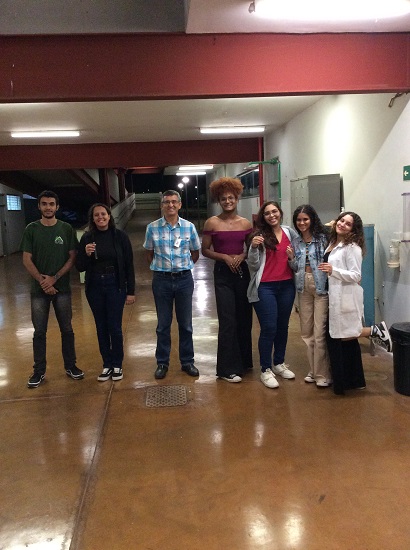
(58, 240)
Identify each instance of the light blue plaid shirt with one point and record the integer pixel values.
(162, 238)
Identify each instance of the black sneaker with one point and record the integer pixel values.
(35, 380)
(381, 335)
(117, 374)
(106, 374)
(75, 373)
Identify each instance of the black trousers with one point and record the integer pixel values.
(345, 364)
(234, 354)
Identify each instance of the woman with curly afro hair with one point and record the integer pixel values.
(223, 240)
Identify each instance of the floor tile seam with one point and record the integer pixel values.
(44, 397)
(34, 398)
(90, 480)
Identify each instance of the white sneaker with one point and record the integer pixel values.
(309, 378)
(283, 371)
(235, 378)
(381, 335)
(269, 379)
(323, 383)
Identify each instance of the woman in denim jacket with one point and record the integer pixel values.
(311, 285)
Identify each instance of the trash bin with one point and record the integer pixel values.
(400, 335)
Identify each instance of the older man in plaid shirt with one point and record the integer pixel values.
(172, 246)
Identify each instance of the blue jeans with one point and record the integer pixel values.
(168, 289)
(107, 304)
(273, 311)
(40, 311)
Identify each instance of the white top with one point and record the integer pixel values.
(346, 306)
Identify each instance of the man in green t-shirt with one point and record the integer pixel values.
(49, 248)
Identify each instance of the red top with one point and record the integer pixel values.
(276, 265)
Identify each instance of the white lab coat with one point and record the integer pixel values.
(345, 293)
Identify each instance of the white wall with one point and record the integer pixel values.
(368, 143)
(123, 211)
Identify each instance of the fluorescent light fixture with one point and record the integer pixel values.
(196, 167)
(46, 134)
(323, 10)
(198, 173)
(233, 130)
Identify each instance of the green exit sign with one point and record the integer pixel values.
(406, 173)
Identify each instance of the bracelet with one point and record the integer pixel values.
(56, 277)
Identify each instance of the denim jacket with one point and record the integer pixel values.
(316, 252)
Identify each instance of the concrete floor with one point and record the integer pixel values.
(87, 465)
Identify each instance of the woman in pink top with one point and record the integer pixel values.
(272, 290)
(224, 241)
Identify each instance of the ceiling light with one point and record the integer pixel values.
(323, 10)
(233, 130)
(46, 134)
(196, 167)
(198, 173)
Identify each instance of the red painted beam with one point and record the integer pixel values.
(107, 155)
(104, 67)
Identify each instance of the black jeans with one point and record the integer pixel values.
(40, 310)
(234, 354)
(107, 304)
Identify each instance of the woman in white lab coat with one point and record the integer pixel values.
(343, 265)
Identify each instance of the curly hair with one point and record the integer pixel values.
(263, 228)
(356, 235)
(91, 223)
(225, 185)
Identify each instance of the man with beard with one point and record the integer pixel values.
(49, 249)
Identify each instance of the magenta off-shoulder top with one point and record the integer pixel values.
(228, 242)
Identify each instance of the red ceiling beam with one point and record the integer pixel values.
(107, 155)
(159, 66)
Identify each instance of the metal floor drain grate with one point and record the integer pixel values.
(166, 396)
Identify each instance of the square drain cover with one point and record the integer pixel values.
(166, 396)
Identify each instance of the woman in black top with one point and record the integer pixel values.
(105, 254)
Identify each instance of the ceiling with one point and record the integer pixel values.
(165, 120)
(191, 16)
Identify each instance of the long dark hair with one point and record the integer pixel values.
(91, 225)
(355, 236)
(264, 229)
(316, 226)
(318, 231)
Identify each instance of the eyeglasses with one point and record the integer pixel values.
(268, 213)
(174, 203)
(227, 199)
